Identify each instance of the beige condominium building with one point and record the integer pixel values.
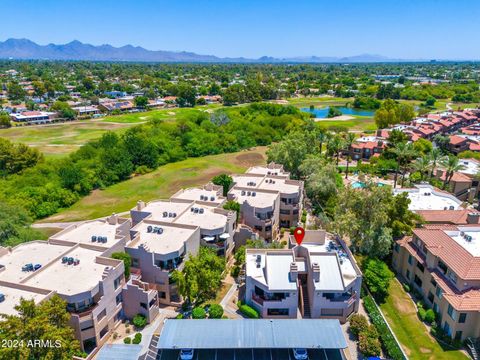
(88, 281)
(268, 199)
(442, 262)
(318, 279)
(157, 249)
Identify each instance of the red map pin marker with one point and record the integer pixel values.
(299, 234)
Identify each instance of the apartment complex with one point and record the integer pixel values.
(442, 262)
(464, 183)
(268, 199)
(318, 279)
(426, 197)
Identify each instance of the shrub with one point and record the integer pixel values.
(389, 343)
(235, 271)
(128, 330)
(199, 313)
(406, 287)
(430, 316)
(139, 321)
(127, 261)
(137, 339)
(358, 324)
(421, 313)
(127, 340)
(377, 276)
(215, 311)
(179, 316)
(249, 312)
(369, 344)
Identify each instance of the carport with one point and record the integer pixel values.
(249, 339)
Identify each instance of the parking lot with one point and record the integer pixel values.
(250, 354)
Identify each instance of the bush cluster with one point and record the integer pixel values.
(139, 321)
(137, 339)
(390, 345)
(367, 335)
(248, 311)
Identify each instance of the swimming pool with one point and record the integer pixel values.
(361, 184)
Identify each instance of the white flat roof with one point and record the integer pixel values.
(158, 208)
(330, 274)
(209, 220)
(171, 240)
(471, 166)
(197, 194)
(82, 233)
(35, 252)
(260, 200)
(274, 270)
(473, 245)
(271, 183)
(265, 170)
(12, 298)
(71, 279)
(426, 198)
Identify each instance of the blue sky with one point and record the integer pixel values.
(413, 29)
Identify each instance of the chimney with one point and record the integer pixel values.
(473, 218)
(316, 272)
(293, 271)
(113, 219)
(140, 205)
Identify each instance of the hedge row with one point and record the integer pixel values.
(248, 311)
(389, 343)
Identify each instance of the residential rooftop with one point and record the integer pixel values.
(281, 184)
(69, 279)
(274, 269)
(468, 238)
(12, 296)
(171, 238)
(206, 217)
(270, 169)
(205, 194)
(164, 210)
(255, 198)
(425, 197)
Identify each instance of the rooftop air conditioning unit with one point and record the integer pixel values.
(452, 207)
(445, 208)
(201, 211)
(268, 172)
(212, 198)
(94, 238)
(196, 210)
(165, 214)
(160, 231)
(248, 193)
(174, 214)
(192, 209)
(254, 193)
(170, 214)
(243, 192)
(462, 233)
(149, 228)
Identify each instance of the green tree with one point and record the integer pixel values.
(404, 154)
(141, 102)
(14, 158)
(201, 276)
(349, 141)
(48, 321)
(451, 164)
(435, 156)
(127, 262)
(423, 146)
(5, 121)
(422, 165)
(64, 110)
(335, 146)
(333, 111)
(377, 277)
(223, 180)
(215, 311)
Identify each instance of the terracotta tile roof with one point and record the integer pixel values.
(446, 216)
(464, 264)
(455, 140)
(474, 146)
(466, 300)
(458, 177)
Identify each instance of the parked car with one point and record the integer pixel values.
(300, 354)
(187, 354)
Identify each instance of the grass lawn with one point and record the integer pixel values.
(359, 123)
(410, 331)
(319, 101)
(159, 184)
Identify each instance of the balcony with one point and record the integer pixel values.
(261, 299)
(84, 312)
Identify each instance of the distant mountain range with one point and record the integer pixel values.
(76, 50)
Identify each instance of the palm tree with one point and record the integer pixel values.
(422, 165)
(322, 138)
(435, 156)
(349, 140)
(404, 153)
(451, 165)
(335, 145)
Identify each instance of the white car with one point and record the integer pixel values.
(300, 354)
(187, 354)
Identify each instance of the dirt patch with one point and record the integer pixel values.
(404, 305)
(250, 159)
(425, 350)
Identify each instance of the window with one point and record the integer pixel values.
(408, 274)
(417, 281)
(258, 228)
(102, 315)
(284, 212)
(118, 299)
(442, 266)
(430, 296)
(295, 212)
(438, 292)
(420, 267)
(458, 335)
(396, 247)
(433, 282)
(451, 311)
(462, 318)
(86, 325)
(277, 312)
(117, 282)
(452, 276)
(268, 228)
(410, 259)
(162, 294)
(143, 305)
(134, 262)
(104, 331)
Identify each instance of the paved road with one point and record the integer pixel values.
(60, 225)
